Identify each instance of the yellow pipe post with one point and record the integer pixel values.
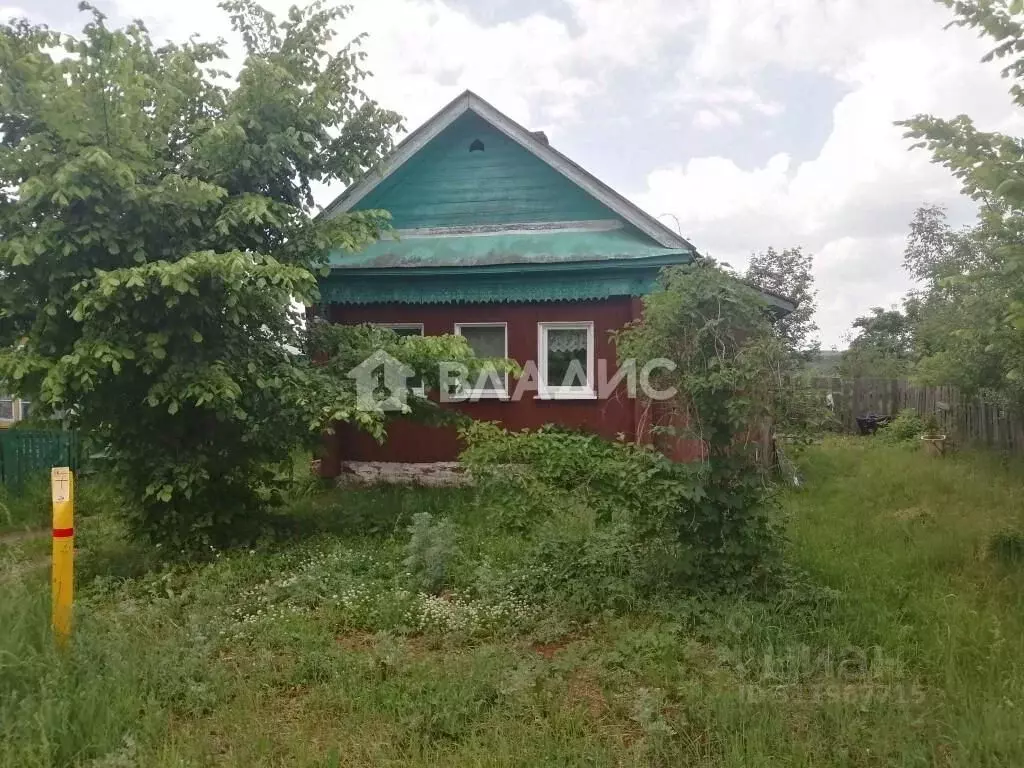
(62, 485)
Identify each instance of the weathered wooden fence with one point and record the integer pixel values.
(24, 452)
(965, 420)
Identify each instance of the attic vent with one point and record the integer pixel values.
(476, 146)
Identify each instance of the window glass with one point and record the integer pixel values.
(26, 408)
(487, 341)
(567, 353)
(406, 330)
(6, 407)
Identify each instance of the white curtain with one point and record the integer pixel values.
(567, 340)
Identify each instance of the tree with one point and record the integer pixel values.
(157, 226)
(935, 252)
(730, 386)
(958, 328)
(883, 347)
(989, 167)
(788, 273)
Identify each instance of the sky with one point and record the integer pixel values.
(742, 124)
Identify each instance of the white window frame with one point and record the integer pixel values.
(14, 410)
(420, 390)
(544, 392)
(485, 394)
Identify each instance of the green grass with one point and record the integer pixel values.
(900, 646)
(28, 508)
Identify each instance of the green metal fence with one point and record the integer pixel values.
(24, 452)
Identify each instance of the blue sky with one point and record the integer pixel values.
(751, 123)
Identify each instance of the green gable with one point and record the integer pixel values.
(446, 185)
(485, 211)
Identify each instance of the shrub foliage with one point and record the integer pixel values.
(157, 227)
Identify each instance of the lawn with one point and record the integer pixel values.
(901, 645)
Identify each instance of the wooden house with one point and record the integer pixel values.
(502, 239)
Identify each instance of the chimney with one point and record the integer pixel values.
(540, 136)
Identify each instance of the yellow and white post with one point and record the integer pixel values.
(62, 485)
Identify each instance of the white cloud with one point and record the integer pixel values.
(737, 38)
(707, 119)
(727, 103)
(850, 204)
(424, 52)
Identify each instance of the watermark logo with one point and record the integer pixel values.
(382, 383)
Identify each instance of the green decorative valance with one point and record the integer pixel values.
(349, 288)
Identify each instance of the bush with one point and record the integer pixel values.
(603, 511)
(588, 569)
(907, 425)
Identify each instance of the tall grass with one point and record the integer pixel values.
(92, 699)
(896, 643)
(28, 507)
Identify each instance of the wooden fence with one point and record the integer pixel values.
(965, 420)
(25, 452)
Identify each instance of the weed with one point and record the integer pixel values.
(429, 551)
(1007, 546)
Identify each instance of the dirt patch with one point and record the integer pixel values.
(548, 650)
(359, 641)
(582, 690)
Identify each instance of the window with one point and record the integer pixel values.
(486, 340)
(6, 408)
(25, 407)
(405, 330)
(566, 364)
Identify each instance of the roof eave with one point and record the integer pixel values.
(532, 267)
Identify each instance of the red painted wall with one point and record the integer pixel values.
(412, 442)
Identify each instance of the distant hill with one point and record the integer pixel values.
(825, 364)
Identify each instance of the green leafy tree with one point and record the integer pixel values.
(960, 336)
(883, 347)
(989, 166)
(789, 273)
(158, 224)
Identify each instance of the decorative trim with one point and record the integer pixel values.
(529, 228)
(399, 290)
(469, 101)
